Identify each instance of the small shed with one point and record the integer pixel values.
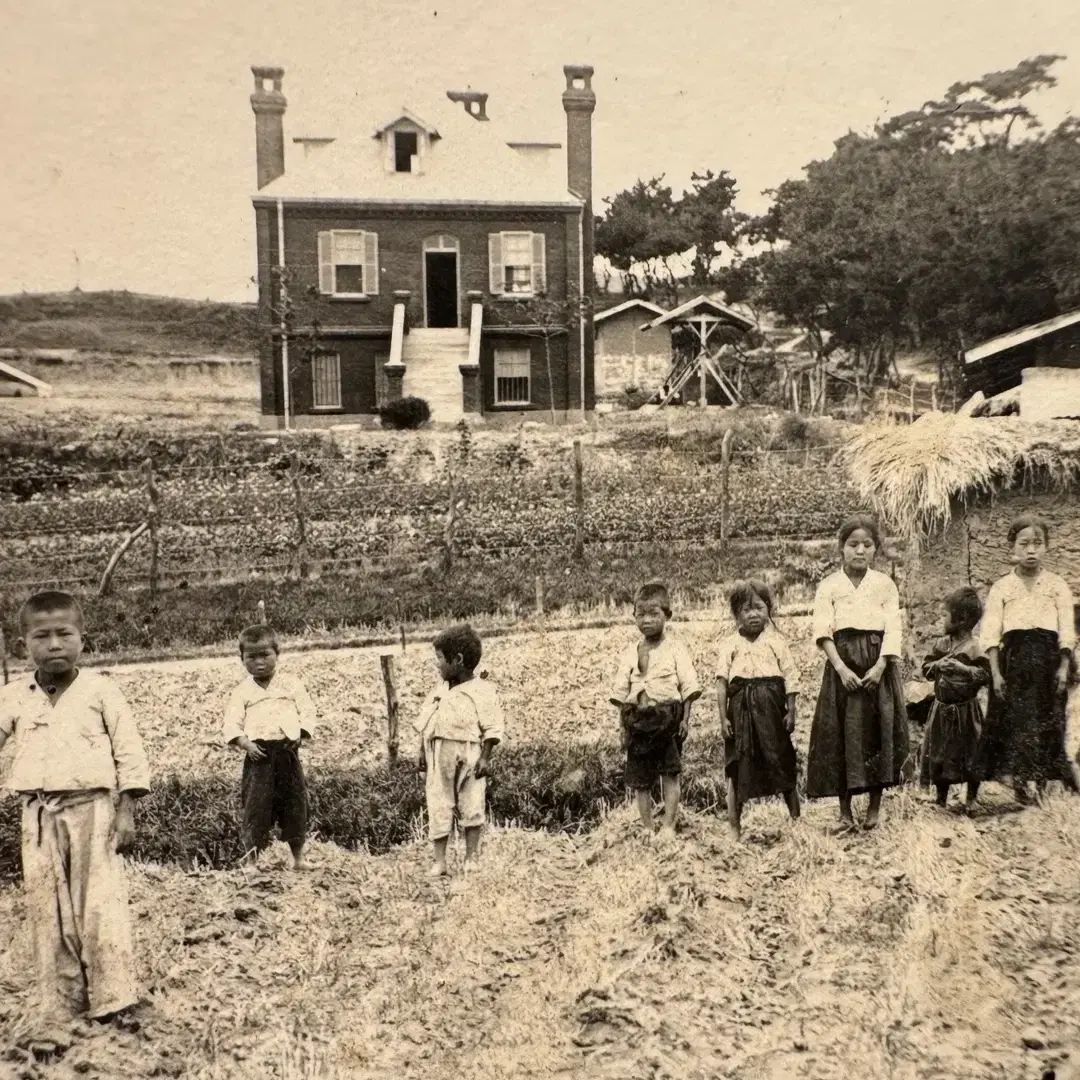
(948, 486)
(627, 353)
(16, 383)
(1040, 363)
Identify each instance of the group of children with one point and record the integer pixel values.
(79, 764)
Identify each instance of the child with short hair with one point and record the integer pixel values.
(655, 686)
(1029, 634)
(958, 668)
(859, 737)
(268, 716)
(459, 724)
(77, 748)
(756, 686)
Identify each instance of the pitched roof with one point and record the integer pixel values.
(470, 162)
(628, 305)
(704, 305)
(997, 365)
(406, 114)
(13, 373)
(1020, 337)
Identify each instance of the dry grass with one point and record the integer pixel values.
(914, 474)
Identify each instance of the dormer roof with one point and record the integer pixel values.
(409, 117)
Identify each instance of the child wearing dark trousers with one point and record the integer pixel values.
(756, 687)
(1028, 633)
(269, 716)
(654, 688)
(958, 668)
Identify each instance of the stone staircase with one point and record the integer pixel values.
(432, 359)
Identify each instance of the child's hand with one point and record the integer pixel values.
(684, 729)
(624, 738)
(123, 827)
(725, 727)
(1062, 680)
(1000, 689)
(851, 682)
(253, 750)
(483, 767)
(873, 676)
(421, 760)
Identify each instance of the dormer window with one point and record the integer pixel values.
(406, 148)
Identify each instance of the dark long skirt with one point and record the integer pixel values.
(1024, 734)
(951, 744)
(858, 741)
(758, 754)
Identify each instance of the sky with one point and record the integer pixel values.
(129, 155)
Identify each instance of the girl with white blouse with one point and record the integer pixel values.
(859, 737)
(1028, 633)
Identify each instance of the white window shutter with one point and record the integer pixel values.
(371, 263)
(326, 262)
(539, 277)
(495, 262)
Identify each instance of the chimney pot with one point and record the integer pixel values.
(268, 104)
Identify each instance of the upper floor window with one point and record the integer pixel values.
(516, 263)
(406, 149)
(349, 263)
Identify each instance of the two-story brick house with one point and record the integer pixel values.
(423, 253)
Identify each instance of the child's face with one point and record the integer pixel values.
(1029, 548)
(450, 667)
(859, 550)
(54, 641)
(753, 616)
(260, 660)
(650, 618)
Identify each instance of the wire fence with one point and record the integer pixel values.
(306, 513)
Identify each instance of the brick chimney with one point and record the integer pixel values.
(475, 103)
(268, 104)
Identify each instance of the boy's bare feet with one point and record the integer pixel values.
(438, 870)
(735, 828)
(667, 833)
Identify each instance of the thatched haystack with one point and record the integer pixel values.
(949, 486)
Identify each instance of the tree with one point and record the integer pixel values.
(940, 227)
(656, 239)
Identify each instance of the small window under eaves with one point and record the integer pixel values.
(405, 150)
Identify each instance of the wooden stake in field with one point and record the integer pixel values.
(260, 613)
(451, 519)
(106, 578)
(153, 520)
(539, 595)
(301, 520)
(387, 663)
(3, 656)
(725, 486)
(579, 503)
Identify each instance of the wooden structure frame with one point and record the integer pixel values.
(702, 315)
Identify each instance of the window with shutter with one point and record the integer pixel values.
(349, 263)
(326, 381)
(495, 262)
(513, 377)
(517, 256)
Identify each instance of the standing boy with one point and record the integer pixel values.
(268, 716)
(655, 685)
(460, 724)
(77, 749)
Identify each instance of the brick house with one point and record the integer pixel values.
(628, 352)
(422, 253)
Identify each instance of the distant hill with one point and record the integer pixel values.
(126, 323)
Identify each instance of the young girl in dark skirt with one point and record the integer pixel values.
(958, 668)
(1028, 633)
(859, 737)
(756, 684)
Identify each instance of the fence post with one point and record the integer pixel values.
(451, 519)
(153, 520)
(539, 583)
(933, 397)
(301, 520)
(579, 504)
(386, 662)
(106, 578)
(3, 656)
(725, 479)
(911, 408)
(260, 613)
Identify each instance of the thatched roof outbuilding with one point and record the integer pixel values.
(916, 476)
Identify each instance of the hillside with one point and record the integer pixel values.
(124, 323)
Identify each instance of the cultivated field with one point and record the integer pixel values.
(939, 947)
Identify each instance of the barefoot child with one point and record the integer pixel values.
(268, 716)
(958, 668)
(1028, 633)
(655, 686)
(79, 766)
(460, 725)
(756, 686)
(859, 737)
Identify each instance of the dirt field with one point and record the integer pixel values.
(937, 947)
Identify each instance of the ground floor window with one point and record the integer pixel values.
(513, 380)
(326, 381)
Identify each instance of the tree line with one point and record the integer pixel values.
(940, 227)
